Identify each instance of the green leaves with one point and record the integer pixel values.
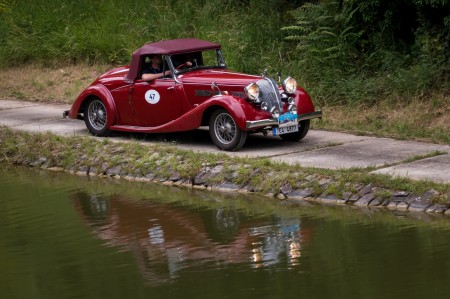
(354, 51)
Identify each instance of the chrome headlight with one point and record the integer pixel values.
(290, 85)
(252, 91)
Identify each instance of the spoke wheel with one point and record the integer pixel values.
(95, 117)
(224, 131)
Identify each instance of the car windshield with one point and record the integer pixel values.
(197, 60)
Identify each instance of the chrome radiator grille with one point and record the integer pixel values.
(268, 92)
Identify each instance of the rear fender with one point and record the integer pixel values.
(101, 92)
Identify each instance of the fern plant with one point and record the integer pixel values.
(323, 36)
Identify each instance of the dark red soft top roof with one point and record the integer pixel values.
(167, 47)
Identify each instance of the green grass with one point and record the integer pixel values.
(61, 32)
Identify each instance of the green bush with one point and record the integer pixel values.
(365, 51)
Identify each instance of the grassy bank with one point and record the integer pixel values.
(164, 163)
(417, 120)
(48, 84)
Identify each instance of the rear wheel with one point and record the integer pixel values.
(303, 128)
(224, 132)
(95, 117)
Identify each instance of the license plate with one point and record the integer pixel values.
(287, 123)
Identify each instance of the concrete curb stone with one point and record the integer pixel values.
(365, 200)
(421, 203)
(300, 194)
(376, 202)
(330, 198)
(404, 205)
(436, 208)
(286, 189)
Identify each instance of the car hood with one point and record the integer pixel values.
(220, 77)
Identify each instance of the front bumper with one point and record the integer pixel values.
(253, 124)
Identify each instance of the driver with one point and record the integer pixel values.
(153, 70)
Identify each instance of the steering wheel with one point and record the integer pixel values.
(180, 66)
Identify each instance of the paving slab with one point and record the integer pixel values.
(258, 145)
(61, 126)
(32, 114)
(372, 152)
(11, 104)
(435, 169)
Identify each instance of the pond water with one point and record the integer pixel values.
(70, 237)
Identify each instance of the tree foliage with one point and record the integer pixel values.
(379, 42)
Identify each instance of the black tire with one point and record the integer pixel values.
(224, 132)
(303, 128)
(95, 117)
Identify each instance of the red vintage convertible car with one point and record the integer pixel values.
(195, 88)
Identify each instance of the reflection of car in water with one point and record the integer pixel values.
(165, 238)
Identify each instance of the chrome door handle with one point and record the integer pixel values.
(171, 88)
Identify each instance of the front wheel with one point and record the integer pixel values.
(303, 128)
(224, 132)
(95, 117)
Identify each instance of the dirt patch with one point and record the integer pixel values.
(48, 84)
(427, 120)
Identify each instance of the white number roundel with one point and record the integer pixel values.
(152, 96)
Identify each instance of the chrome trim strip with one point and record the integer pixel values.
(316, 114)
(273, 121)
(251, 124)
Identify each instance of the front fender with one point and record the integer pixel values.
(303, 102)
(235, 106)
(101, 92)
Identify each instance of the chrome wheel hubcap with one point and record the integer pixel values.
(225, 128)
(97, 115)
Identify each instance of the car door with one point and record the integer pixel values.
(155, 103)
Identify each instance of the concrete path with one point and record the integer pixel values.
(319, 149)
